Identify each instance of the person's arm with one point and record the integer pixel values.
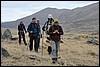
(39, 30)
(50, 32)
(44, 26)
(24, 28)
(61, 31)
(18, 28)
(28, 29)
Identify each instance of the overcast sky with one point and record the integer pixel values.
(13, 10)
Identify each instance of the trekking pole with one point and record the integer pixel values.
(42, 42)
(27, 41)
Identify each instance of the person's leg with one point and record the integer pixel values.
(57, 47)
(19, 38)
(23, 35)
(31, 43)
(36, 44)
(53, 52)
(39, 42)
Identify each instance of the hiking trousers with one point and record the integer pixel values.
(36, 43)
(21, 34)
(39, 41)
(55, 46)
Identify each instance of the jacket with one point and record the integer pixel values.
(56, 36)
(33, 29)
(21, 28)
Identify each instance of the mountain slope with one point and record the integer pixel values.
(83, 18)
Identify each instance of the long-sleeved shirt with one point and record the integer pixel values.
(55, 36)
(21, 28)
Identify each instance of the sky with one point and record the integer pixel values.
(14, 10)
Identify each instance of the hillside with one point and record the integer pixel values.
(75, 51)
(79, 19)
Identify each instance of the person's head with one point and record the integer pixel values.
(21, 22)
(33, 20)
(56, 23)
(50, 16)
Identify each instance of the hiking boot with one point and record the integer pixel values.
(36, 51)
(47, 41)
(25, 44)
(19, 43)
(56, 59)
(53, 62)
(30, 50)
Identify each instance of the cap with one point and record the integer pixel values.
(56, 20)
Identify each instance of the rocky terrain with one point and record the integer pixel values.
(75, 51)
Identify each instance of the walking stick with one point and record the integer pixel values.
(27, 41)
(42, 42)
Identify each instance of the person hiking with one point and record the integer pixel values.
(55, 32)
(21, 32)
(47, 25)
(33, 29)
(39, 33)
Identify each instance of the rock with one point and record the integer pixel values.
(4, 52)
(7, 34)
(61, 62)
(77, 37)
(92, 41)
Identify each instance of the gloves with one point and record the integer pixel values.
(31, 31)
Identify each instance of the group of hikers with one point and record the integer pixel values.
(53, 33)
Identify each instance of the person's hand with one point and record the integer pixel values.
(56, 31)
(31, 31)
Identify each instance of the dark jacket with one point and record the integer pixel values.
(21, 28)
(35, 28)
(56, 36)
(47, 23)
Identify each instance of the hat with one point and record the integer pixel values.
(56, 20)
(50, 16)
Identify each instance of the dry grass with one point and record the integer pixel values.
(74, 52)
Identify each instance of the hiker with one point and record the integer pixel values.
(55, 32)
(33, 30)
(39, 33)
(47, 25)
(21, 32)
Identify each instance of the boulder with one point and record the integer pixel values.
(92, 41)
(4, 52)
(7, 34)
